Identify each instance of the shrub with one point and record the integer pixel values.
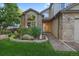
(33, 31)
(14, 35)
(22, 31)
(5, 31)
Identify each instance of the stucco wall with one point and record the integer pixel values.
(55, 27)
(31, 13)
(22, 21)
(38, 18)
(39, 21)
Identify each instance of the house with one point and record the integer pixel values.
(31, 18)
(49, 13)
(62, 22)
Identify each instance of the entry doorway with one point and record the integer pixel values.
(47, 26)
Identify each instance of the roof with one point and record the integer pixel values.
(47, 8)
(30, 9)
(44, 10)
(69, 7)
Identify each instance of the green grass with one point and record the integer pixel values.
(9, 48)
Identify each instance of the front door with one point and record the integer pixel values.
(47, 27)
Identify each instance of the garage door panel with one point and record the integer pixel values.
(76, 30)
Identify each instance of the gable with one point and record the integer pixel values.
(31, 13)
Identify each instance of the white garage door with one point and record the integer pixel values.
(76, 30)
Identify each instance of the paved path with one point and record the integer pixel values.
(74, 45)
(57, 45)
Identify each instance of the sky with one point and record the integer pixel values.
(36, 6)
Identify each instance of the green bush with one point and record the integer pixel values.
(33, 31)
(5, 31)
(22, 31)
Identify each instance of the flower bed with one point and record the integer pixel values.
(32, 34)
(35, 40)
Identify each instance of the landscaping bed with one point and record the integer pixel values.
(32, 34)
(36, 41)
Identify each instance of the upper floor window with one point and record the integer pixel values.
(31, 21)
(31, 18)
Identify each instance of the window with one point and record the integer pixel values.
(31, 21)
(31, 24)
(31, 18)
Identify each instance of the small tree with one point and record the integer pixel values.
(9, 15)
(12, 13)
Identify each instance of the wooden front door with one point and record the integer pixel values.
(47, 26)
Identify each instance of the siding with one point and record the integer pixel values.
(55, 27)
(38, 19)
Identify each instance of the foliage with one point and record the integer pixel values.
(22, 31)
(33, 31)
(31, 18)
(12, 13)
(4, 31)
(9, 14)
(2, 17)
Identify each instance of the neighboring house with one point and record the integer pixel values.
(63, 22)
(31, 18)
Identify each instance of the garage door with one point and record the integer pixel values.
(76, 30)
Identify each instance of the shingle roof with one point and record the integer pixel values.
(70, 6)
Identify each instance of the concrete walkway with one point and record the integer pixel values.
(58, 45)
(73, 45)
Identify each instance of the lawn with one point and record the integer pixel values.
(9, 48)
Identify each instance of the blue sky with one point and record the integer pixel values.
(37, 6)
